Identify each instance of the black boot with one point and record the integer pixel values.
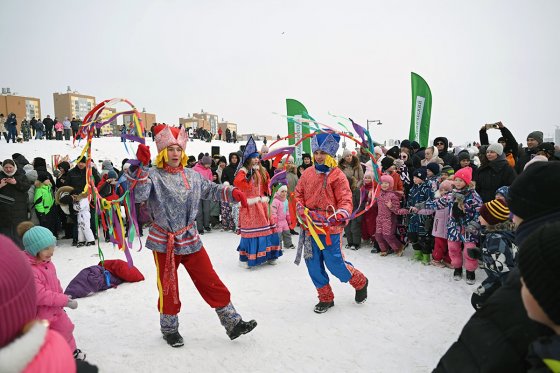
(242, 327)
(293, 232)
(174, 339)
(458, 274)
(90, 243)
(323, 307)
(361, 295)
(470, 277)
(79, 355)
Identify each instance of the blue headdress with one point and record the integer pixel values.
(327, 142)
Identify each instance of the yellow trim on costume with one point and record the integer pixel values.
(330, 162)
(160, 289)
(312, 227)
(163, 157)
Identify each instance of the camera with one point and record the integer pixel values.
(492, 125)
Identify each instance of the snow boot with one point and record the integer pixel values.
(242, 327)
(361, 295)
(458, 274)
(80, 244)
(90, 243)
(79, 355)
(174, 339)
(470, 277)
(426, 259)
(323, 307)
(417, 255)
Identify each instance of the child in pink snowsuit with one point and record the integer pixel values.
(39, 245)
(280, 216)
(388, 206)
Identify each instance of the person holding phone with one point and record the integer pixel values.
(14, 184)
(508, 141)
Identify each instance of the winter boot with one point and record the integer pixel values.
(470, 277)
(90, 243)
(79, 355)
(426, 259)
(361, 295)
(417, 255)
(323, 307)
(80, 244)
(458, 274)
(242, 327)
(174, 339)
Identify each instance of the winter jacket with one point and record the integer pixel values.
(460, 222)
(205, 172)
(58, 127)
(493, 175)
(44, 199)
(441, 217)
(418, 195)
(19, 160)
(448, 158)
(325, 193)
(497, 337)
(356, 172)
(175, 206)
(12, 215)
(498, 254)
(279, 214)
(386, 216)
(90, 280)
(49, 123)
(40, 349)
(511, 143)
(77, 178)
(292, 181)
(525, 155)
(50, 298)
(544, 355)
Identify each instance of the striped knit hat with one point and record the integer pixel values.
(494, 212)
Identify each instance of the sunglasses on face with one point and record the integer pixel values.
(439, 143)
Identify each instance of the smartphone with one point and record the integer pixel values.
(492, 125)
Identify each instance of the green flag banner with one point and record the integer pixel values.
(421, 111)
(297, 110)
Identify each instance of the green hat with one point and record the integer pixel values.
(37, 239)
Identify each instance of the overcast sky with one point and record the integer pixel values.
(485, 61)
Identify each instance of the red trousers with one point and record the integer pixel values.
(206, 280)
(440, 250)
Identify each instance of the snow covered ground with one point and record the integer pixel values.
(412, 315)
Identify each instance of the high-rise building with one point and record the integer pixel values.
(23, 107)
(72, 105)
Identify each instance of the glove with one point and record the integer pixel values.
(474, 253)
(239, 196)
(456, 211)
(250, 173)
(72, 303)
(143, 154)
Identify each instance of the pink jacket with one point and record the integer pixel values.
(441, 217)
(50, 298)
(58, 127)
(205, 172)
(386, 217)
(278, 216)
(325, 193)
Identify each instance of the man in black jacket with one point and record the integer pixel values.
(534, 139)
(497, 336)
(49, 124)
(228, 174)
(442, 145)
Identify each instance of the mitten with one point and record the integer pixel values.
(337, 219)
(72, 303)
(143, 154)
(474, 253)
(239, 196)
(456, 211)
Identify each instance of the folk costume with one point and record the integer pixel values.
(324, 201)
(259, 243)
(173, 194)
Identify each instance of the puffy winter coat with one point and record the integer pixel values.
(205, 172)
(493, 175)
(279, 214)
(17, 212)
(448, 158)
(77, 178)
(50, 298)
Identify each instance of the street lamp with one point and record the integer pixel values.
(373, 121)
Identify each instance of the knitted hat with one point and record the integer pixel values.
(387, 179)
(106, 165)
(112, 175)
(547, 148)
(37, 239)
(447, 170)
(167, 136)
(494, 212)
(206, 160)
(386, 163)
(503, 190)
(394, 152)
(18, 300)
(346, 153)
(535, 191)
(406, 144)
(191, 159)
(64, 166)
(434, 167)
(420, 173)
(537, 135)
(327, 142)
(539, 260)
(496, 148)
(464, 174)
(82, 160)
(463, 155)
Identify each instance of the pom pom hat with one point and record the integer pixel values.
(388, 179)
(494, 212)
(464, 174)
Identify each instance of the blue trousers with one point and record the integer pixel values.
(331, 257)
